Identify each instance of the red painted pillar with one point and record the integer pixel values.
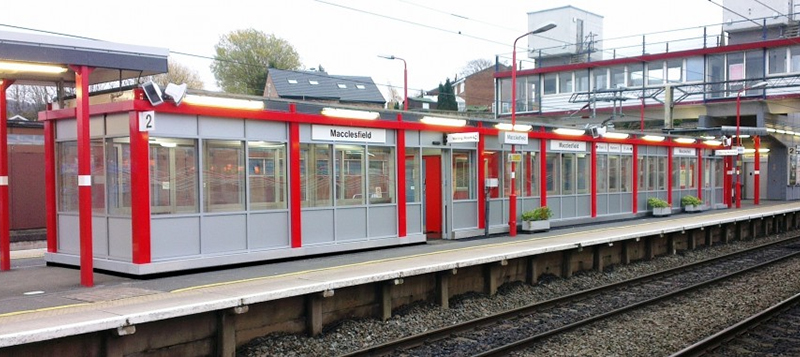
(50, 185)
(543, 171)
(757, 172)
(669, 175)
(5, 230)
(84, 174)
(593, 184)
(294, 181)
(481, 179)
(635, 180)
(699, 173)
(140, 192)
(401, 180)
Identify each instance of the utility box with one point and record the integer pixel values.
(577, 32)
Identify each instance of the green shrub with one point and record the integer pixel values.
(539, 214)
(656, 202)
(690, 200)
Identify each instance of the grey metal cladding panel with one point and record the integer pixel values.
(68, 234)
(351, 223)
(602, 204)
(614, 204)
(118, 124)
(491, 142)
(426, 138)
(465, 214)
(305, 133)
(584, 206)
(496, 212)
(99, 237)
(67, 129)
(268, 230)
(221, 234)
(412, 138)
(220, 127)
(527, 204)
(266, 130)
(175, 237)
(97, 126)
(569, 206)
(120, 239)
(383, 221)
(413, 218)
(626, 202)
(171, 124)
(317, 226)
(77, 56)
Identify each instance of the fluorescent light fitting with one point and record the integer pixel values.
(31, 67)
(443, 121)
(233, 103)
(707, 137)
(742, 136)
(780, 131)
(753, 151)
(653, 138)
(350, 113)
(615, 135)
(509, 127)
(569, 132)
(685, 140)
(770, 130)
(712, 142)
(168, 145)
(763, 150)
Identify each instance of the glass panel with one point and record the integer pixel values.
(315, 175)
(491, 169)
(98, 173)
(173, 176)
(618, 77)
(636, 78)
(625, 169)
(678, 168)
(565, 82)
(641, 166)
(691, 181)
(706, 173)
(754, 69)
(266, 173)
(794, 58)
(735, 71)
(583, 174)
(550, 82)
(662, 173)
(600, 78)
(413, 175)
(716, 73)
(694, 69)
(582, 81)
(118, 176)
(613, 173)
(531, 169)
(531, 103)
(655, 73)
(223, 175)
(602, 173)
(652, 173)
(675, 70)
(568, 170)
(463, 175)
(505, 95)
(553, 168)
(67, 163)
(349, 175)
(777, 60)
(381, 174)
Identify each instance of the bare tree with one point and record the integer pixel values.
(395, 99)
(179, 73)
(475, 66)
(29, 100)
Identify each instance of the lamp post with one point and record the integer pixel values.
(405, 79)
(512, 198)
(739, 139)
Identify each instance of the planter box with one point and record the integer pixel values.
(693, 208)
(535, 226)
(660, 212)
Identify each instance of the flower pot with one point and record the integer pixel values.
(695, 208)
(663, 211)
(535, 226)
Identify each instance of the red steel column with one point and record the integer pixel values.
(84, 174)
(669, 175)
(699, 173)
(594, 179)
(635, 179)
(294, 182)
(401, 180)
(543, 171)
(50, 185)
(757, 173)
(5, 231)
(140, 192)
(481, 180)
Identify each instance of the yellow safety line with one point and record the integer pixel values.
(224, 283)
(8, 314)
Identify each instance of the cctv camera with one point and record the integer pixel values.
(175, 92)
(153, 93)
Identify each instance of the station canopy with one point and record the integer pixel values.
(45, 59)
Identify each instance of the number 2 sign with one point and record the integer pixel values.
(147, 121)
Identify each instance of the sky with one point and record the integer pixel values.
(345, 37)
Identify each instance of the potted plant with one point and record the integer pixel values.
(691, 203)
(660, 207)
(537, 219)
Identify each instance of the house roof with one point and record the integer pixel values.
(320, 85)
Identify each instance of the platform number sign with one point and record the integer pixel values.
(147, 121)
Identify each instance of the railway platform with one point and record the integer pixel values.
(44, 308)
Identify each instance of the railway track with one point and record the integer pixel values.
(772, 332)
(508, 331)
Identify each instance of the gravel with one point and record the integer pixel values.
(652, 331)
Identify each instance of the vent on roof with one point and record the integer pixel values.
(313, 82)
(292, 81)
(361, 86)
(342, 85)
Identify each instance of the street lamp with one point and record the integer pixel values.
(739, 139)
(405, 79)
(512, 198)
